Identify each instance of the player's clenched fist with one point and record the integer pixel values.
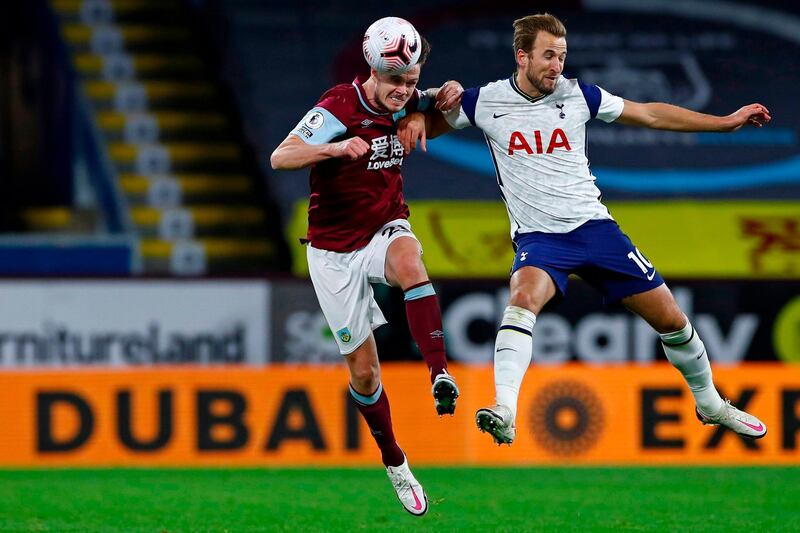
(351, 148)
(411, 129)
(449, 96)
(754, 114)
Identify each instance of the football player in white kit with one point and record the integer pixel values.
(534, 124)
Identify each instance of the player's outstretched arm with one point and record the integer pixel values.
(410, 130)
(418, 127)
(669, 117)
(448, 96)
(293, 153)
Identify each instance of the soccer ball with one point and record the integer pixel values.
(392, 44)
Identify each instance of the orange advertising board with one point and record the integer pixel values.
(301, 415)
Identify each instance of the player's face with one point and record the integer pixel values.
(392, 91)
(544, 64)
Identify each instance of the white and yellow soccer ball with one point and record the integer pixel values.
(392, 44)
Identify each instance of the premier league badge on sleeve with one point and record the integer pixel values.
(315, 120)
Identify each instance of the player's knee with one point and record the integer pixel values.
(410, 271)
(674, 320)
(365, 379)
(521, 297)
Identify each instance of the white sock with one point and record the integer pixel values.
(512, 354)
(687, 353)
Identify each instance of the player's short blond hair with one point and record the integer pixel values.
(526, 29)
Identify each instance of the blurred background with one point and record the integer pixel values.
(155, 307)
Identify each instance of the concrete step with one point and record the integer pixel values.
(162, 126)
(201, 220)
(186, 189)
(126, 37)
(152, 95)
(174, 157)
(59, 219)
(94, 12)
(206, 256)
(138, 67)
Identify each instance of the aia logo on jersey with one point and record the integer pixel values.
(518, 141)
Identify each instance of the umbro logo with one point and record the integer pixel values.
(438, 334)
(366, 122)
(500, 115)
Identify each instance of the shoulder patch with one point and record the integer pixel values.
(591, 93)
(315, 120)
(469, 102)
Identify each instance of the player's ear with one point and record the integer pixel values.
(373, 74)
(522, 58)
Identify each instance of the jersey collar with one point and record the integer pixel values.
(362, 96)
(522, 93)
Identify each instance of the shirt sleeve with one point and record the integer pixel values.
(610, 106)
(319, 126)
(464, 115)
(601, 103)
(419, 101)
(424, 101)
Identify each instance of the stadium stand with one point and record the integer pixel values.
(186, 180)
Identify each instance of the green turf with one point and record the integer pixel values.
(462, 499)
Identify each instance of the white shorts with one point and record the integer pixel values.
(342, 283)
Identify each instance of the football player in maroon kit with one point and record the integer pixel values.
(358, 233)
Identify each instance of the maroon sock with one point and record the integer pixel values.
(379, 420)
(425, 322)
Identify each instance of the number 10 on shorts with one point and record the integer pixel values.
(637, 257)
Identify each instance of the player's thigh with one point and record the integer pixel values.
(531, 288)
(614, 265)
(658, 308)
(392, 256)
(541, 268)
(345, 297)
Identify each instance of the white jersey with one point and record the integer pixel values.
(538, 146)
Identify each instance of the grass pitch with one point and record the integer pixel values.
(461, 499)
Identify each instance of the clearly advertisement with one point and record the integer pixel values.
(132, 323)
(302, 415)
(739, 321)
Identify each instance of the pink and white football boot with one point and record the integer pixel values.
(408, 489)
(732, 418)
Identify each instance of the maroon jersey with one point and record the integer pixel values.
(351, 200)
